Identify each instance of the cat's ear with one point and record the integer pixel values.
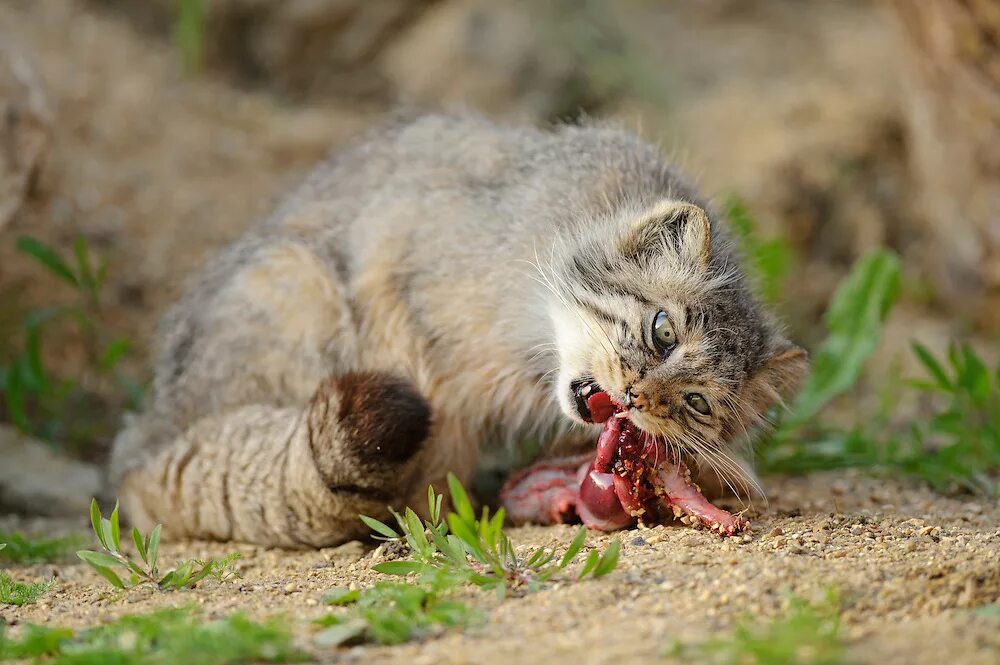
(778, 378)
(670, 226)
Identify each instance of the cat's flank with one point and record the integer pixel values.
(445, 285)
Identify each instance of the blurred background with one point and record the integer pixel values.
(138, 137)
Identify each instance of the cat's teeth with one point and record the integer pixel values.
(585, 390)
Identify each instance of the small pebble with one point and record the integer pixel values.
(290, 587)
(638, 541)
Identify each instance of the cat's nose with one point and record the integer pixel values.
(635, 399)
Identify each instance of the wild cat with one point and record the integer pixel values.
(442, 286)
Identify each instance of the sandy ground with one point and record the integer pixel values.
(158, 170)
(910, 565)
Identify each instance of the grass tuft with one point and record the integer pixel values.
(476, 551)
(175, 635)
(32, 396)
(392, 613)
(807, 634)
(955, 445)
(448, 551)
(16, 548)
(185, 574)
(18, 593)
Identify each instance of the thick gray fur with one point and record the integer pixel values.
(428, 292)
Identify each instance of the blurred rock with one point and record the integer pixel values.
(953, 111)
(308, 46)
(36, 480)
(486, 55)
(25, 119)
(298, 47)
(499, 57)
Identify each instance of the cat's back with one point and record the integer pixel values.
(437, 172)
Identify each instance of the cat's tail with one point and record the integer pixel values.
(292, 477)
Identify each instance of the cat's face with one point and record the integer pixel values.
(664, 323)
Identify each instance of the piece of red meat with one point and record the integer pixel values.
(631, 477)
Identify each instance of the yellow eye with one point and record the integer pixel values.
(663, 333)
(698, 403)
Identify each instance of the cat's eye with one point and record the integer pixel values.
(663, 333)
(698, 403)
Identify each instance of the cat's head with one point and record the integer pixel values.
(652, 308)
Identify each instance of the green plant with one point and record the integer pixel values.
(477, 551)
(19, 549)
(447, 551)
(807, 634)
(34, 399)
(854, 321)
(769, 260)
(175, 635)
(189, 33)
(959, 444)
(18, 593)
(392, 612)
(187, 572)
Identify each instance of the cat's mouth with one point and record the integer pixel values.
(593, 404)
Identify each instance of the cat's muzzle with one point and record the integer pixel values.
(593, 404)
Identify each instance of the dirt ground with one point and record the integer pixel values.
(910, 565)
(157, 170)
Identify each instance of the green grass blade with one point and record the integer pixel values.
(97, 559)
(201, 574)
(589, 564)
(535, 557)
(168, 581)
(495, 527)
(431, 504)
(85, 268)
(140, 545)
(401, 568)
(415, 530)
(609, 560)
(460, 500)
(110, 576)
(379, 527)
(113, 354)
(107, 530)
(341, 596)
(574, 547)
(189, 33)
(116, 532)
(48, 258)
(932, 366)
(95, 521)
(468, 535)
(154, 547)
(854, 320)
